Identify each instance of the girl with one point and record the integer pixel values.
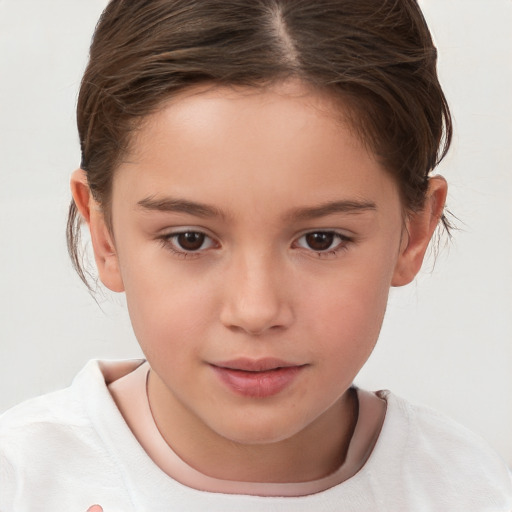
(255, 177)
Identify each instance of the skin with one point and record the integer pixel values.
(270, 166)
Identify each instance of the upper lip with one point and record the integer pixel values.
(255, 365)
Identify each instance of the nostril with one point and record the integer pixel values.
(254, 326)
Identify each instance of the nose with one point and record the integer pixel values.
(255, 296)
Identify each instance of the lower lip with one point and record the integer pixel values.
(258, 384)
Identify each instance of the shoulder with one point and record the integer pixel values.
(57, 442)
(432, 430)
(67, 412)
(69, 407)
(40, 427)
(438, 455)
(58, 408)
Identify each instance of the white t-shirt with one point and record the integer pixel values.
(69, 450)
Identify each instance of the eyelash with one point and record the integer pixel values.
(169, 242)
(342, 243)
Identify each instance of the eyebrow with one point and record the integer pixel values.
(169, 204)
(332, 207)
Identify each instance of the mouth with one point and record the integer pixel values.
(257, 378)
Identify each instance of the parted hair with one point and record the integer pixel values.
(377, 56)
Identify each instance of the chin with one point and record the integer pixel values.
(257, 432)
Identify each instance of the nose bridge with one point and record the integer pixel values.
(255, 298)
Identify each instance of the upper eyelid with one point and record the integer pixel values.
(343, 233)
(342, 236)
(169, 232)
(174, 234)
(343, 239)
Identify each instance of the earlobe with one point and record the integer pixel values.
(420, 227)
(104, 249)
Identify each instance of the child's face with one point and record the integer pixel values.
(253, 231)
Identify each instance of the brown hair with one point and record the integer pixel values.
(377, 55)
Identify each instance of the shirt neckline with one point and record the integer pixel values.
(129, 393)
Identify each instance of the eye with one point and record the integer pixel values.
(322, 241)
(189, 242)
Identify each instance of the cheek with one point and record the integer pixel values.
(349, 311)
(168, 308)
(355, 318)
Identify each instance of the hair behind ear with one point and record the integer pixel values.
(74, 243)
(418, 231)
(86, 209)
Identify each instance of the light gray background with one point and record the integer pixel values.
(447, 338)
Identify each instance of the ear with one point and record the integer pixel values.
(418, 231)
(102, 241)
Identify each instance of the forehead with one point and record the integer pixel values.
(213, 106)
(285, 140)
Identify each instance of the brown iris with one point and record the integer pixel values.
(320, 241)
(190, 240)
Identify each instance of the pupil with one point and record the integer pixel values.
(191, 241)
(320, 241)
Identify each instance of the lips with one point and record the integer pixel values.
(257, 378)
